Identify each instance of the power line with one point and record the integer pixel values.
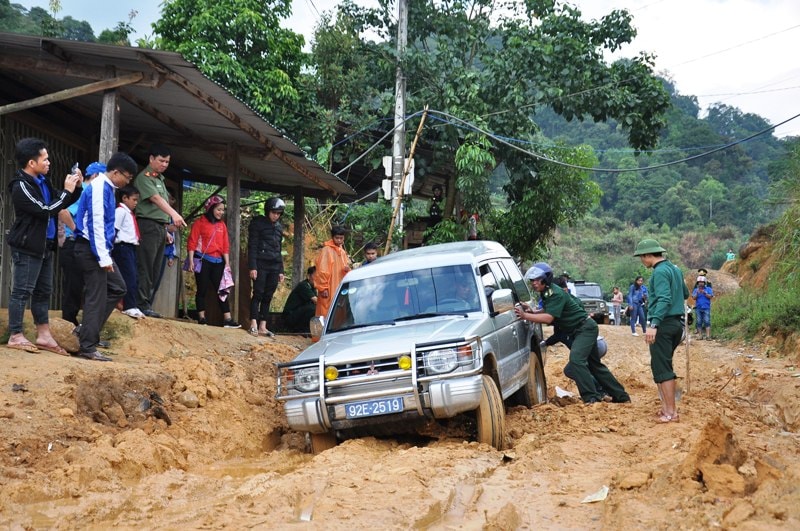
(746, 93)
(609, 170)
(734, 47)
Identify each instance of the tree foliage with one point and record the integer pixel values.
(14, 18)
(487, 68)
(240, 45)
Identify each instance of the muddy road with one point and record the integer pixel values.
(182, 431)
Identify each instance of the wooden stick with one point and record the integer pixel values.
(686, 331)
(403, 182)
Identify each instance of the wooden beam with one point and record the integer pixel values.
(109, 123)
(14, 87)
(109, 126)
(56, 51)
(41, 65)
(299, 261)
(70, 93)
(187, 135)
(261, 186)
(234, 223)
(235, 119)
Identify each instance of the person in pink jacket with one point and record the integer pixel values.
(332, 263)
(209, 239)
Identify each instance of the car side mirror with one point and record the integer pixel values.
(316, 325)
(502, 301)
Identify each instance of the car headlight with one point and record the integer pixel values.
(306, 379)
(602, 306)
(441, 361)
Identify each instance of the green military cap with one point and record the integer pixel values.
(648, 246)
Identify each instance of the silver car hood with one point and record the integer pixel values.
(365, 343)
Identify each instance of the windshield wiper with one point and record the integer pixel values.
(363, 325)
(418, 316)
(429, 314)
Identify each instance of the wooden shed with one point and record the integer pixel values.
(89, 100)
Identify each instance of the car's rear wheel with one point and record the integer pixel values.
(491, 415)
(535, 391)
(320, 442)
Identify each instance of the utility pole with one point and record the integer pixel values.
(399, 143)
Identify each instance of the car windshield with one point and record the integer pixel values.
(407, 295)
(588, 291)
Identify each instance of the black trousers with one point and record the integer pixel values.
(71, 282)
(263, 289)
(208, 279)
(103, 290)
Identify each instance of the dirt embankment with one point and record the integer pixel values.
(182, 431)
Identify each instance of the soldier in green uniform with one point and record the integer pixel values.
(153, 213)
(668, 293)
(567, 313)
(301, 303)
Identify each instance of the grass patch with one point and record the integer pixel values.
(748, 312)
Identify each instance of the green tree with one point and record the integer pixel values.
(240, 45)
(494, 68)
(14, 19)
(77, 30)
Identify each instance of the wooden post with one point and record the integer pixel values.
(299, 261)
(109, 125)
(234, 221)
(403, 182)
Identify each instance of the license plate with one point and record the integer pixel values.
(371, 408)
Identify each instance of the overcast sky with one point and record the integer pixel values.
(742, 53)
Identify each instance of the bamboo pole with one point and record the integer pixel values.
(403, 181)
(686, 341)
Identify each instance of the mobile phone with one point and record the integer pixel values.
(74, 168)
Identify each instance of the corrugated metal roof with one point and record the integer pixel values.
(174, 104)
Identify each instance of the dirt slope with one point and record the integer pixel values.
(88, 445)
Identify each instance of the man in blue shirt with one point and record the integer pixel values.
(94, 239)
(32, 240)
(72, 276)
(637, 302)
(702, 295)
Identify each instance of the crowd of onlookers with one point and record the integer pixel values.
(115, 230)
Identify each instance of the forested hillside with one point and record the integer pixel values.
(729, 187)
(700, 183)
(714, 180)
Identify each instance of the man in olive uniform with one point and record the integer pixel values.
(301, 303)
(667, 296)
(566, 312)
(153, 213)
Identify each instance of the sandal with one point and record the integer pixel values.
(25, 346)
(253, 331)
(267, 333)
(664, 419)
(56, 349)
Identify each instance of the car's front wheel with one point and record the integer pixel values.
(535, 390)
(491, 415)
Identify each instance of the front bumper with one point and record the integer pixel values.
(440, 399)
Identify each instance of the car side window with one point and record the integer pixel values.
(520, 288)
(488, 278)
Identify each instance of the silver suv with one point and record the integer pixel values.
(419, 335)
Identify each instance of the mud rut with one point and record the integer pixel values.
(84, 448)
